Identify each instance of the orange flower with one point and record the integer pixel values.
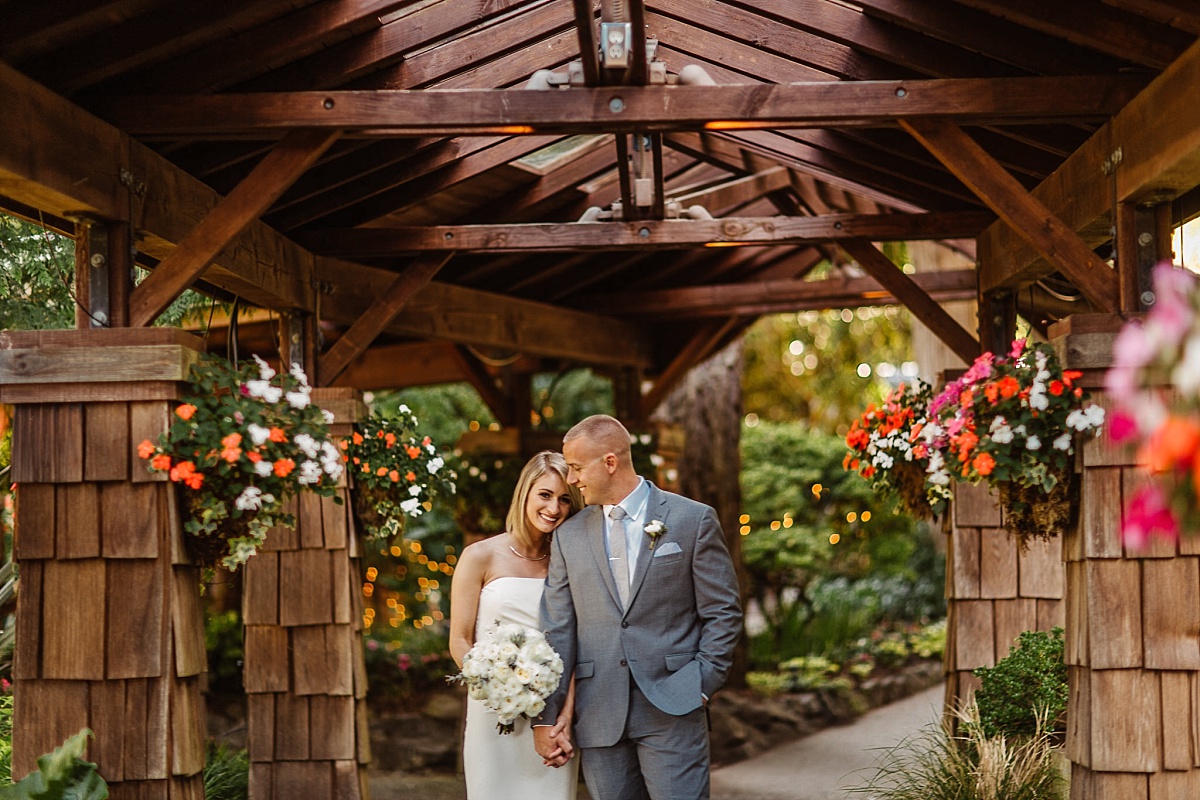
(231, 454)
(146, 449)
(991, 392)
(1009, 386)
(966, 397)
(410, 476)
(254, 456)
(413, 451)
(868, 471)
(1071, 375)
(231, 441)
(343, 444)
(1056, 388)
(161, 462)
(186, 411)
(381, 471)
(426, 441)
(378, 434)
(284, 467)
(183, 471)
(1172, 446)
(357, 437)
(195, 480)
(984, 464)
(390, 439)
(277, 435)
(394, 476)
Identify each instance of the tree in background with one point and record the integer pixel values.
(37, 276)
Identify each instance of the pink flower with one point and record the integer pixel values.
(372, 644)
(1122, 426)
(1018, 347)
(1133, 348)
(1147, 514)
(404, 661)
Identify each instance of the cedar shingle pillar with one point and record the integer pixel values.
(305, 676)
(109, 630)
(1133, 623)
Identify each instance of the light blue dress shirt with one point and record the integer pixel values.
(635, 507)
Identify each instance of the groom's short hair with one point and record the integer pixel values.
(604, 431)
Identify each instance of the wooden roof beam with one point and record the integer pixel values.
(641, 108)
(1158, 144)
(378, 316)
(916, 299)
(778, 296)
(254, 195)
(644, 234)
(1056, 242)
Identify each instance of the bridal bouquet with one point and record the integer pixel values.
(512, 671)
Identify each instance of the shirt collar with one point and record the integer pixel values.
(634, 502)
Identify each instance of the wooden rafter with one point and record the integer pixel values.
(1159, 146)
(1025, 213)
(910, 293)
(395, 366)
(196, 251)
(775, 296)
(737, 192)
(484, 384)
(647, 108)
(699, 347)
(378, 316)
(645, 234)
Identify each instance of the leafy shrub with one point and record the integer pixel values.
(936, 765)
(1030, 682)
(891, 650)
(62, 775)
(226, 773)
(930, 640)
(6, 733)
(223, 640)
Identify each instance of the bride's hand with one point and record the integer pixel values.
(561, 733)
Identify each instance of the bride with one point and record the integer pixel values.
(500, 579)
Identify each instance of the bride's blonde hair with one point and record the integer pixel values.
(517, 523)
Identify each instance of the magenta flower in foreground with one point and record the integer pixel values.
(1147, 515)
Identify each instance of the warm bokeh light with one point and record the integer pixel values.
(834, 538)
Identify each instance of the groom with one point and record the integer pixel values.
(641, 602)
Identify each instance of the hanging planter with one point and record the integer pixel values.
(243, 441)
(397, 472)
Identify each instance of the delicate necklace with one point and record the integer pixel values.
(527, 558)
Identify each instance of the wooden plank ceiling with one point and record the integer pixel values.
(801, 129)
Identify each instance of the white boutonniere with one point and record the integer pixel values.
(654, 529)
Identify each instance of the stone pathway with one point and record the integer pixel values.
(816, 767)
(823, 765)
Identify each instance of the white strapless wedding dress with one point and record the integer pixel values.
(503, 767)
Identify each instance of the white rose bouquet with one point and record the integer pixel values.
(511, 670)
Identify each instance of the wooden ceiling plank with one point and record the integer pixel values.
(245, 204)
(1054, 240)
(1182, 14)
(643, 234)
(526, 202)
(783, 295)
(1108, 30)
(699, 347)
(737, 191)
(486, 319)
(1159, 147)
(221, 64)
(794, 267)
(646, 108)
(58, 158)
(997, 38)
(850, 44)
(31, 29)
(378, 316)
(585, 30)
(362, 55)
(910, 293)
(147, 38)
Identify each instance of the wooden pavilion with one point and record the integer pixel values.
(403, 189)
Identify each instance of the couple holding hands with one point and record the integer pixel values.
(637, 594)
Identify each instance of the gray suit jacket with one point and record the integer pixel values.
(676, 638)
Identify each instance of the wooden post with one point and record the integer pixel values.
(305, 675)
(1143, 240)
(1133, 621)
(109, 630)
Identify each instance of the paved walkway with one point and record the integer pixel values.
(817, 767)
(823, 765)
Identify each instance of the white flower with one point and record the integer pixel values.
(414, 490)
(1037, 397)
(412, 507)
(327, 415)
(264, 468)
(307, 443)
(1033, 443)
(264, 370)
(1019, 430)
(883, 461)
(297, 399)
(272, 394)
(299, 375)
(258, 434)
(405, 409)
(434, 465)
(310, 472)
(1094, 415)
(1063, 443)
(257, 388)
(250, 499)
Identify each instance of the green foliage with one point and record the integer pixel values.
(802, 674)
(226, 773)
(6, 734)
(61, 775)
(403, 666)
(803, 367)
(930, 641)
(37, 270)
(8, 593)
(936, 765)
(223, 639)
(1028, 684)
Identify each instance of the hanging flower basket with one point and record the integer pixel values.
(886, 448)
(397, 472)
(1033, 513)
(243, 441)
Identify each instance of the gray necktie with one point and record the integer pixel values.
(618, 558)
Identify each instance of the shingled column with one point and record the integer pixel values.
(109, 628)
(305, 676)
(1133, 623)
